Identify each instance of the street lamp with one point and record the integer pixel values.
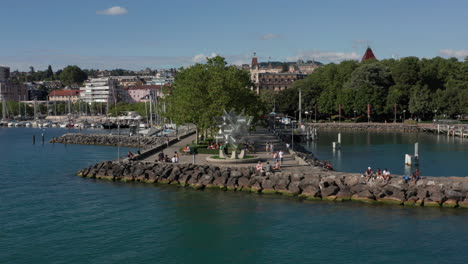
(404, 112)
(354, 115)
(306, 113)
(292, 134)
(435, 114)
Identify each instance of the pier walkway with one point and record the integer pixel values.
(260, 138)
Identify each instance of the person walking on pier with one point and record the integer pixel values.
(281, 156)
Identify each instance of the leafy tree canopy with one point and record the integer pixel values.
(201, 92)
(72, 75)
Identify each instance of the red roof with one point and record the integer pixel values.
(254, 61)
(368, 55)
(65, 93)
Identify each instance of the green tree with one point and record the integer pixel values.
(371, 82)
(203, 91)
(420, 101)
(72, 75)
(49, 73)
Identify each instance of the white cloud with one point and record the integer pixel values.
(201, 58)
(324, 56)
(454, 53)
(113, 11)
(270, 36)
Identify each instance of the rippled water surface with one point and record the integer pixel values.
(48, 215)
(439, 155)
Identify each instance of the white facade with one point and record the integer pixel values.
(99, 90)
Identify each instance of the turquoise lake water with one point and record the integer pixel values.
(49, 215)
(439, 155)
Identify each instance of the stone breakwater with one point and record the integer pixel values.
(109, 140)
(315, 184)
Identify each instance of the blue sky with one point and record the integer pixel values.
(136, 34)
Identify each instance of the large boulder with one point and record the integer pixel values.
(364, 196)
(329, 192)
(219, 182)
(268, 186)
(281, 186)
(293, 188)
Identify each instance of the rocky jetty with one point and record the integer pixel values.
(316, 184)
(109, 140)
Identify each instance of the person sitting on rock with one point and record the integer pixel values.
(328, 165)
(268, 167)
(259, 168)
(386, 175)
(167, 159)
(378, 173)
(277, 165)
(416, 175)
(130, 155)
(368, 173)
(161, 156)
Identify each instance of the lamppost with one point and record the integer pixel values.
(435, 115)
(354, 115)
(404, 112)
(306, 113)
(292, 134)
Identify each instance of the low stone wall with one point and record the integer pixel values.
(367, 126)
(318, 184)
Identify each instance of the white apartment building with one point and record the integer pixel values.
(100, 90)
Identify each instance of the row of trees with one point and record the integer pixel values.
(69, 75)
(422, 87)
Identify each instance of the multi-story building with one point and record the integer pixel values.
(12, 92)
(277, 81)
(278, 78)
(140, 93)
(4, 73)
(101, 90)
(65, 95)
(126, 81)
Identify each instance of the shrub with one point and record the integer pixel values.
(361, 119)
(411, 122)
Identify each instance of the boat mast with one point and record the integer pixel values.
(4, 108)
(151, 109)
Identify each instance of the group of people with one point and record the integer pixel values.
(260, 170)
(385, 175)
(379, 174)
(165, 158)
(269, 147)
(416, 175)
(213, 146)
